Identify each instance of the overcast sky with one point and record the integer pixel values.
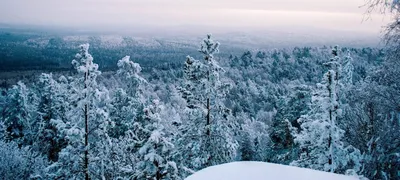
(327, 14)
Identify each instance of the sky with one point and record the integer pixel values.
(346, 15)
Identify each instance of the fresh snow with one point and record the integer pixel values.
(76, 38)
(262, 171)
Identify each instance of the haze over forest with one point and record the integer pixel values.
(328, 17)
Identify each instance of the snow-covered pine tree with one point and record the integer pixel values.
(101, 152)
(320, 139)
(127, 102)
(20, 114)
(155, 154)
(288, 111)
(20, 163)
(255, 142)
(129, 71)
(84, 65)
(208, 130)
(122, 113)
(346, 88)
(53, 104)
(347, 70)
(87, 119)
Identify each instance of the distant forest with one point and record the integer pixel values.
(23, 54)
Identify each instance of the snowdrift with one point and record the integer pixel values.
(263, 171)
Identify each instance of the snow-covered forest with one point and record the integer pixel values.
(330, 108)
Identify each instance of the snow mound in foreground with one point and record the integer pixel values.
(263, 171)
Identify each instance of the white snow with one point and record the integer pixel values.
(83, 38)
(111, 40)
(262, 171)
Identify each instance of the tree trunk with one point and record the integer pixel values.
(331, 120)
(371, 115)
(330, 159)
(86, 152)
(208, 118)
(158, 173)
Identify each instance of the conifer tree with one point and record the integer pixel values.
(288, 111)
(87, 119)
(320, 139)
(19, 114)
(84, 64)
(155, 155)
(347, 70)
(53, 105)
(207, 132)
(127, 100)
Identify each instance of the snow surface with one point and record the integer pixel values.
(263, 171)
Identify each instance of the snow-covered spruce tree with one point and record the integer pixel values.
(101, 152)
(125, 111)
(146, 151)
(208, 128)
(346, 78)
(121, 113)
(53, 104)
(87, 119)
(126, 101)
(346, 93)
(84, 65)
(20, 163)
(288, 111)
(20, 114)
(129, 71)
(254, 140)
(320, 139)
(155, 154)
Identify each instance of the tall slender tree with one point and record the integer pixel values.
(320, 139)
(84, 64)
(209, 127)
(347, 70)
(85, 116)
